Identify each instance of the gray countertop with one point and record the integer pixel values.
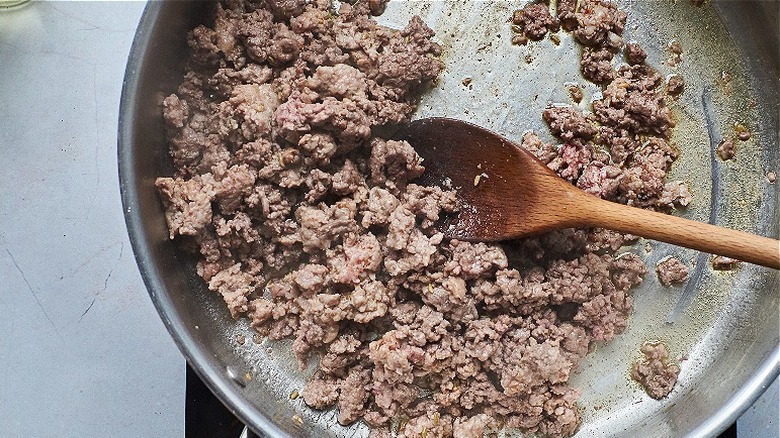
(82, 350)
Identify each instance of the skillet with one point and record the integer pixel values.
(726, 324)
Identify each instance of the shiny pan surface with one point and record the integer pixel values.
(725, 324)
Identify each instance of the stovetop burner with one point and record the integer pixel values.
(206, 417)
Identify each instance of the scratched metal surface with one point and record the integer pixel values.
(724, 324)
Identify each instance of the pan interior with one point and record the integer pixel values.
(723, 325)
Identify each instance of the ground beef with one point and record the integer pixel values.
(671, 270)
(726, 149)
(599, 23)
(635, 54)
(675, 85)
(597, 65)
(533, 22)
(723, 263)
(675, 47)
(566, 14)
(473, 427)
(576, 93)
(599, 26)
(601, 153)
(568, 123)
(655, 372)
(310, 225)
(632, 102)
(676, 50)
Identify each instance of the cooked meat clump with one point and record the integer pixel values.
(723, 263)
(533, 22)
(620, 150)
(726, 149)
(655, 372)
(635, 54)
(675, 85)
(310, 225)
(671, 271)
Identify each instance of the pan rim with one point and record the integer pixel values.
(194, 354)
(197, 356)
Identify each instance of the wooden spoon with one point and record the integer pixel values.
(506, 193)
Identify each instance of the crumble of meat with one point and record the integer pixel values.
(632, 102)
(603, 153)
(675, 85)
(726, 150)
(671, 271)
(576, 93)
(312, 227)
(676, 50)
(473, 427)
(675, 47)
(634, 53)
(723, 263)
(597, 65)
(655, 372)
(533, 22)
(568, 123)
(599, 23)
(566, 14)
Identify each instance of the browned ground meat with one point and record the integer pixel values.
(312, 227)
(655, 372)
(533, 21)
(676, 50)
(726, 149)
(620, 151)
(675, 85)
(566, 14)
(635, 54)
(671, 270)
(723, 263)
(568, 123)
(599, 23)
(576, 93)
(675, 47)
(633, 102)
(597, 65)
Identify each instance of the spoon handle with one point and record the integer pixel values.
(683, 232)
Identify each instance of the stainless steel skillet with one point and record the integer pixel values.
(725, 324)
